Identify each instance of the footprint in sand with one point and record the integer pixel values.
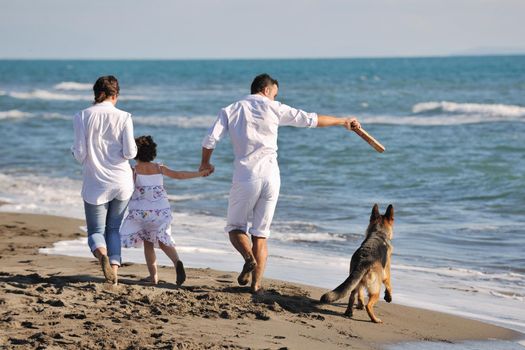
(52, 302)
(15, 341)
(224, 281)
(27, 324)
(79, 316)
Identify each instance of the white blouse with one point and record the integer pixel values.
(252, 124)
(103, 144)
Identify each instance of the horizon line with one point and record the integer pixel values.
(256, 59)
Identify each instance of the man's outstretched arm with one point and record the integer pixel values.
(327, 120)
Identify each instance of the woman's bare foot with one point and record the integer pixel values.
(115, 273)
(107, 270)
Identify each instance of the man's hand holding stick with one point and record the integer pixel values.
(354, 125)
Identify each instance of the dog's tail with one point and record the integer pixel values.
(347, 286)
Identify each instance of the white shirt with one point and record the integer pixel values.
(103, 144)
(252, 124)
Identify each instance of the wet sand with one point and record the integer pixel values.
(62, 302)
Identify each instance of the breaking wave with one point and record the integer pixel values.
(47, 95)
(180, 121)
(71, 85)
(41, 194)
(14, 114)
(308, 237)
(499, 110)
(40, 94)
(441, 120)
(451, 113)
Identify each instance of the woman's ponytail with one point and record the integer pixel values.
(105, 87)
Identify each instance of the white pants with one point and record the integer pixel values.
(256, 198)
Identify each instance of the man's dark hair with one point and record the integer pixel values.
(261, 82)
(146, 148)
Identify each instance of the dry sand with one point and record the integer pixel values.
(62, 302)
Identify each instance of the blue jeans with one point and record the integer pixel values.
(103, 226)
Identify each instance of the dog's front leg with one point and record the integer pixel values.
(388, 284)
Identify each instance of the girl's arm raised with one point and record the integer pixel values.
(181, 175)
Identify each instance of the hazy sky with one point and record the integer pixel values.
(262, 29)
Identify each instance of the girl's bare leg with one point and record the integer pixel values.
(151, 261)
(171, 252)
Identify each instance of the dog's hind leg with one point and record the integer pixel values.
(360, 299)
(349, 311)
(372, 299)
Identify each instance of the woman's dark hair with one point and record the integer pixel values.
(146, 148)
(105, 87)
(261, 82)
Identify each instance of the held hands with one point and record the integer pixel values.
(352, 124)
(206, 169)
(206, 172)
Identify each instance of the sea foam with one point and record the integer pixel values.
(451, 113)
(14, 114)
(179, 121)
(40, 94)
(41, 194)
(71, 85)
(497, 110)
(438, 120)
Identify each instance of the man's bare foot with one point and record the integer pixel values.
(181, 274)
(151, 280)
(247, 269)
(257, 291)
(107, 270)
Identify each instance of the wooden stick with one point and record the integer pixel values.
(372, 141)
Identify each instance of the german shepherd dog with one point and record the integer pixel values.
(370, 266)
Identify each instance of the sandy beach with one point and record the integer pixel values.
(62, 302)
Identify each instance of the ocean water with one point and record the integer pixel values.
(454, 168)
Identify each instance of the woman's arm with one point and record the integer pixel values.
(129, 147)
(79, 145)
(182, 175)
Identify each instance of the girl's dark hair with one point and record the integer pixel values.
(262, 81)
(146, 148)
(105, 87)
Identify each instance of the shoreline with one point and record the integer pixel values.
(61, 301)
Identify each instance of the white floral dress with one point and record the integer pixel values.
(149, 217)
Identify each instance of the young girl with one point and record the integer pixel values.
(149, 218)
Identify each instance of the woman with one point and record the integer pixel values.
(104, 143)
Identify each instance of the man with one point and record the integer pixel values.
(252, 124)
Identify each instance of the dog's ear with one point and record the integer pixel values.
(375, 213)
(389, 213)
